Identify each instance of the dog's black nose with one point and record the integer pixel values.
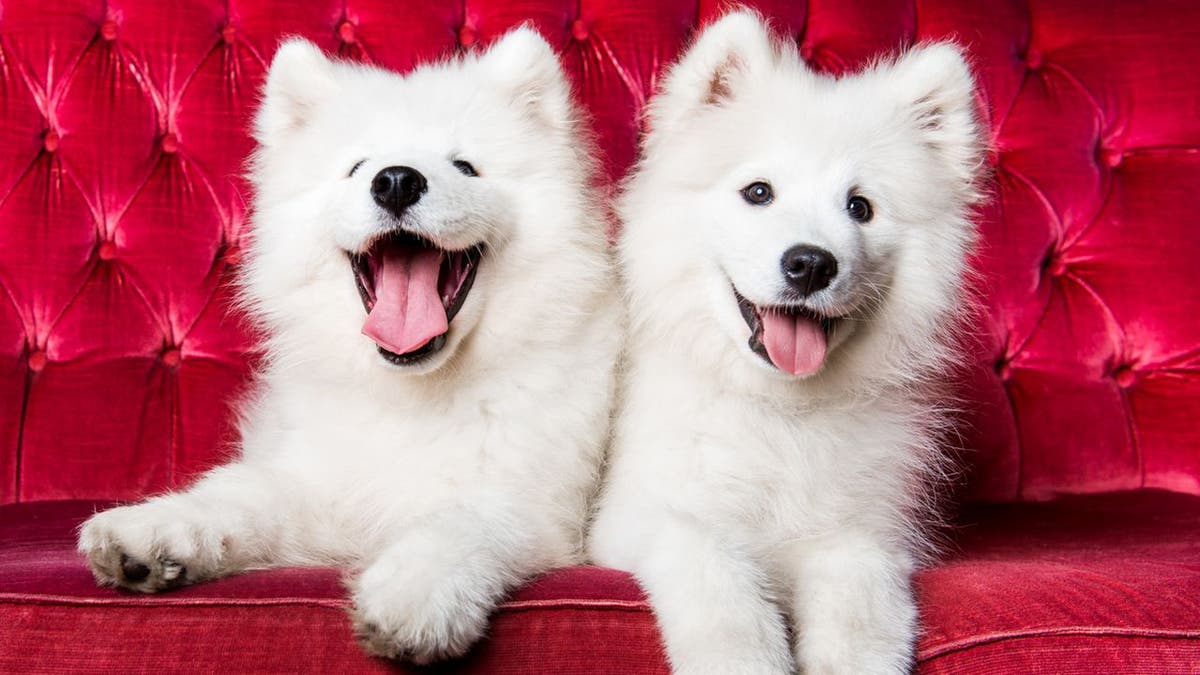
(398, 187)
(808, 269)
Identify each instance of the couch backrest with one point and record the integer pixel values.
(123, 134)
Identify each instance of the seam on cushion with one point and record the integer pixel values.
(24, 172)
(173, 98)
(1110, 319)
(1121, 351)
(147, 86)
(1008, 357)
(1042, 199)
(635, 88)
(1078, 84)
(1131, 429)
(1182, 361)
(184, 159)
(1000, 117)
(216, 270)
(1108, 188)
(525, 605)
(39, 599)
(19, 450)
(39, 101)
(1065, 631)
(515, 606)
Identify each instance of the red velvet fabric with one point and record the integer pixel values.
(1083, 585)
(122, 210)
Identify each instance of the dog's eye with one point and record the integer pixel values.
(859, 209)
(758, 193)
(465, 167)
(356, 166)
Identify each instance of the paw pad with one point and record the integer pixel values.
(132, 570)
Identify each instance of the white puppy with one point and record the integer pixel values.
(432, 279)
(794, 249)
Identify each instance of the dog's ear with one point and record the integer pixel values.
(528, 72)
(938, 100)
(299, 79)
(726, 54)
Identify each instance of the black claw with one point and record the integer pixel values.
(132, 570)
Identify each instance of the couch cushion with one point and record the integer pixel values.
(53, 617)
(1082, 585)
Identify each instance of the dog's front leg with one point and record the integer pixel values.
(854, 609)
(712, 603)
(229, 520)
(428, 596)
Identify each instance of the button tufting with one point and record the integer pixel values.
(107, 250)
(1111, 91)
(1033, 59)
(1054, 263)
(1003, 368)
(1111, 157)
(466, 36)
(1056, 266)
(579, 30)
(1124, 376)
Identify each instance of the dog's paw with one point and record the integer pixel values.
(418, 615)
(150, 547)
(709, 665)
(870, 633)
(850, 659)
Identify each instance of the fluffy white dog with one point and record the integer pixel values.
(433, 282)
(794, 251)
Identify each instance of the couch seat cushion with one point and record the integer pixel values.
(1097, 584)
(1094, 584)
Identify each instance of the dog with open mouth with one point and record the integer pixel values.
(794, 250)
(430, 272)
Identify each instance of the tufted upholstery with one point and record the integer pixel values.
(122, 208)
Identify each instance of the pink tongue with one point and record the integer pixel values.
(796, 344)
(408, 312)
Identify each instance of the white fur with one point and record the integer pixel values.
(442, 485)
(746, 500)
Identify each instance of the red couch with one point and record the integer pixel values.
(122, 139)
